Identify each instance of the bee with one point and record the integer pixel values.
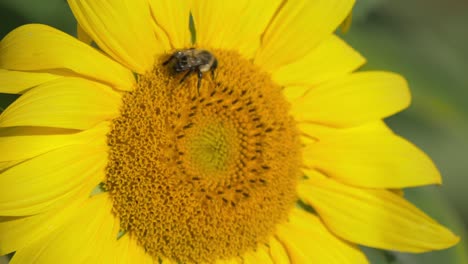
(193, 60)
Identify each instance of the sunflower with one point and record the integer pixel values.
(267, 148)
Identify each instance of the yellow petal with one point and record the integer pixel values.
(307, 241)
(8, 164)
(121, 28)
(43, 182)
(122, 250)
(260, 255)
(374, 218)
(311, 173)
(235, 25)
(346, 25)
(372, 160)
(136, 254)
(16, 232)
(278, 252)
(38, 47)
(332, 58)
(19, 146)
(161, 36)
(167, 261)
(319, 132)
(353, 99)
(67, 103)
(173, 18)
(15, 82)
(293, 92)
(81, 240)
(125, 251)
(82, 35)
(298, 28)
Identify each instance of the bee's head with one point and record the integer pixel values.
(181, 62)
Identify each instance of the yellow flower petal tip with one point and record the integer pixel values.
(375, 218)
(40, 49)
(364, 157)
(353, 99)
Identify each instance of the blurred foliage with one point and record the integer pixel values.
(55, 13)
(426, 42)
(423, 40)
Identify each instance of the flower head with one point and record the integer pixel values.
(257, 143)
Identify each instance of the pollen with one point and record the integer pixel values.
(198, 176)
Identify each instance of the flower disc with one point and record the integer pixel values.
(199, 176)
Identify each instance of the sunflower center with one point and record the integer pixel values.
(200, 176)
(209, 148)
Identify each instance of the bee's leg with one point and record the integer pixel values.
(200, 76)
(168, 60)
(213, 74)
(185, 76)
(213, 68)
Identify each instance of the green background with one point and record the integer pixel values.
(424, 40)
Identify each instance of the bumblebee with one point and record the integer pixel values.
(192, 60)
